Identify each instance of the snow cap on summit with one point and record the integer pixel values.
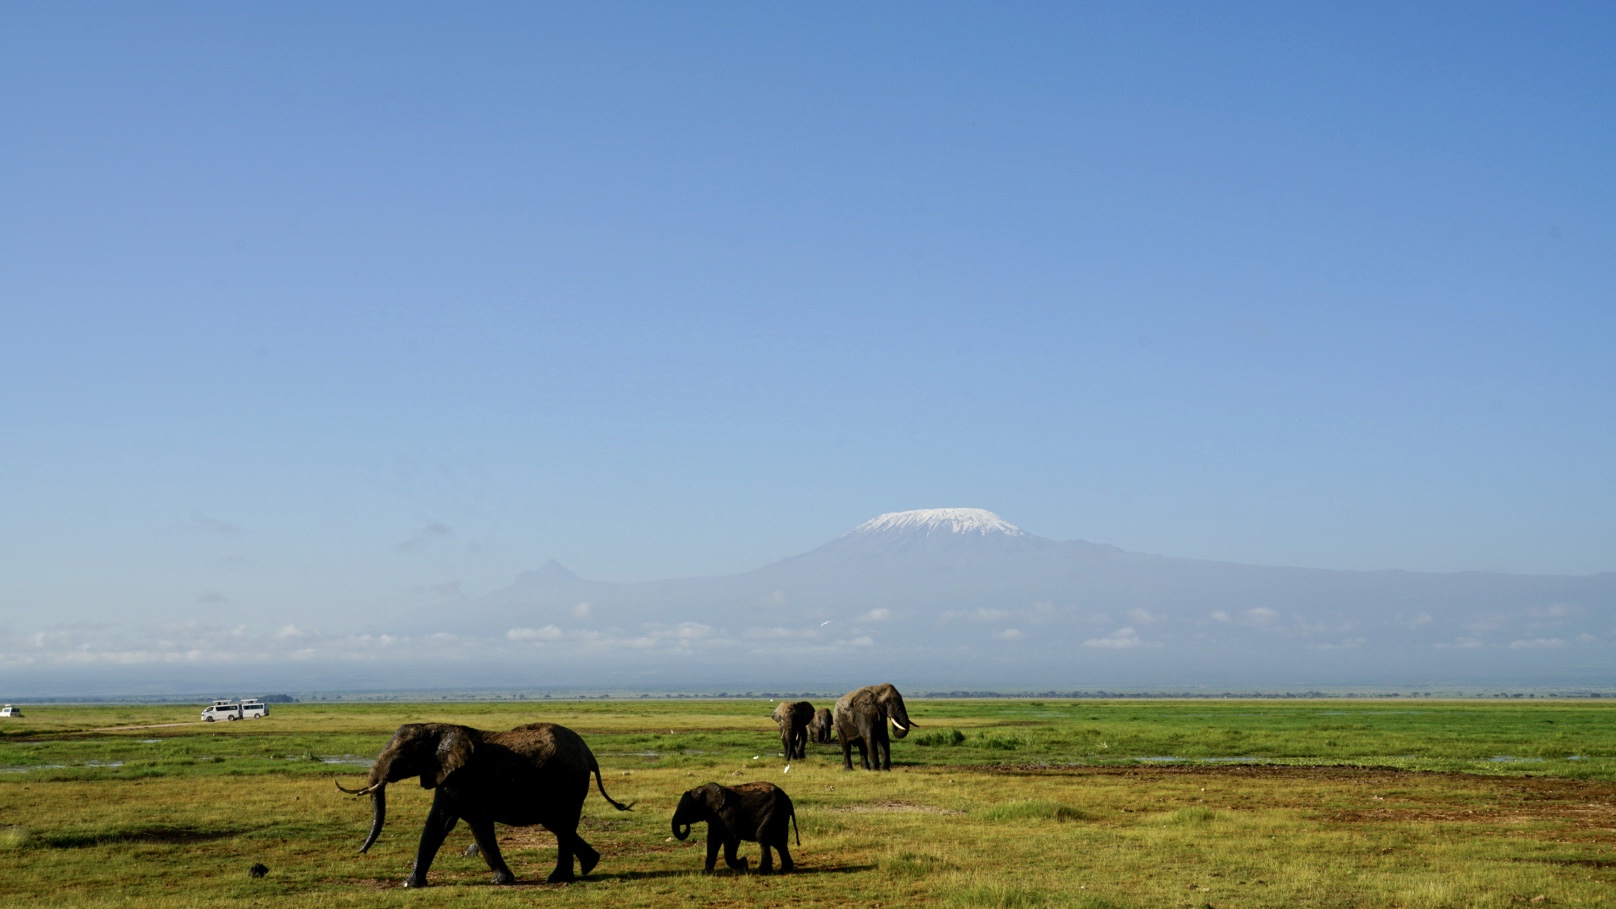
(931, 520)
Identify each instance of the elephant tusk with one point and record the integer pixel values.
(900, 726)
(356, 792)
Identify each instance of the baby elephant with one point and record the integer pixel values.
(751, 811)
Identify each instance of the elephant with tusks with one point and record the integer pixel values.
(533, 774)
(861, 718)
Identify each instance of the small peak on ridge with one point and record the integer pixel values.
(551, 572)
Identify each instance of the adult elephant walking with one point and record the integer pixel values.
(793, 720)
(861, 719)
(533, 774)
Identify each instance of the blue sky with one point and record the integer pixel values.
(319, 310)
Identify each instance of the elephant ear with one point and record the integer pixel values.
(454, 749)
(728, 809)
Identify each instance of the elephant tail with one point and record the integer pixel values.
(601, 785)
(794, 826)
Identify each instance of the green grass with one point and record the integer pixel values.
(1100, 804)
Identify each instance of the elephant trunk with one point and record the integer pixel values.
(901, 723)
(681, 818)
(378, 815)
(377, 790)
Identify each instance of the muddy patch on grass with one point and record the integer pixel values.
(890, 807)
(159, 835)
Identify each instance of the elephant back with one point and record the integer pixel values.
(549, 746)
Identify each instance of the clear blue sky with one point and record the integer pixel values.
(317, 309)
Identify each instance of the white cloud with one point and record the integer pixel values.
(1142, 617)
(1261, 616)
(779, 633)
(683, 636)
(581, 610)
(862, 640)
(546, 633)
(290, 633)
(1537, 644)
(1121, 639)
(192, 643)
(1009, 634)
(877, 615)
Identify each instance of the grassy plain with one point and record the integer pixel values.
(1025, 803)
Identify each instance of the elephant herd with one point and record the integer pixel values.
(540, 774)
(859, 721)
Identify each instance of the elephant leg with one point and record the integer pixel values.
(765, 866)
(883, 754)
(566, 844)
(785, 855)
(714, 840)
(732, 845)
(483, 832)
(588, 858)
(439, 821)
(847, 755)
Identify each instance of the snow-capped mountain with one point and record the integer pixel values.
(939, 521)
(962, 595)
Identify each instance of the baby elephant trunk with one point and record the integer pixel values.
(681, 817)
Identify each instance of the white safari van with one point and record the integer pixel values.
(221, 710)
(245, 709)
(9, 710)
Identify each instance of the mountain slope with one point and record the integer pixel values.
(963, 594)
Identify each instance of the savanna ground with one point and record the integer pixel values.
(1022, 803)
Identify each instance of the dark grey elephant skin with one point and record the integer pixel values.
(755, 812)
(822, 728)
(793, 720)
(861, 719)
(533, 774)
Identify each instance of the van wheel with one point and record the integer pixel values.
(231, 718)
(207, 719)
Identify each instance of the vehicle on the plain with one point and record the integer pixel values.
(221, 710)
(9, 710)
(235, 709)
